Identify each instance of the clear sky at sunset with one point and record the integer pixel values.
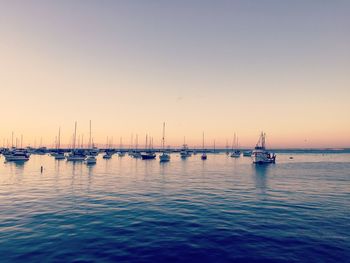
(214, 66)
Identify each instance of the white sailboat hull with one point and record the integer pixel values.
(261, 157)
(235, 154)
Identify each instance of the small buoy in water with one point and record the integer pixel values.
(41, 169)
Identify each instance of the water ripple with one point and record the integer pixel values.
(221, 210)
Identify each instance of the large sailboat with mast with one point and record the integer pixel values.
(76, 154)
(235, 152)
(59, 153)
(90, 159)
(164, 157)
(108, 153)
(136, 153)
(149, 154)
(260, 155)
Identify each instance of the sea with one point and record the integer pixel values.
(219, 210)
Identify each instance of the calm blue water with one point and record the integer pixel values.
(219, 210)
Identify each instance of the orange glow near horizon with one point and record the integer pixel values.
(129, 79)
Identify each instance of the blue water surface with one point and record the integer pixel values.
(219, 210)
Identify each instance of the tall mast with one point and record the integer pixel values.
(75, 135)
(132, 140)
(163, 139)
(137, 141)
(59, 138)
(90, 137)
(233, 141)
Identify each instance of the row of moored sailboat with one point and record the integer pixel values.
(259, 155)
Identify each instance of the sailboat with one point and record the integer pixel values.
(17, 155)
(76, 154)
(148, 155)
(135, 153)
(108, 154)
(59, 154)
(260, 155)
(121, 152)
(185, 152)
(235, 152)
(131, 151)
(214, 149)
(204, 155)
(90, 159)
(164, 157)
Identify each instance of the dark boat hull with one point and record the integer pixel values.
(148, 156)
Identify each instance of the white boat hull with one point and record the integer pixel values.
(261, 157)
(235, 155)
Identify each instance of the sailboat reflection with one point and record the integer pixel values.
(260, 176)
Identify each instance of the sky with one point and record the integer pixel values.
(218, 67)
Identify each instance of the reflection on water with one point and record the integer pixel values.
(125, 209)
(18, 164)
(260, 175)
